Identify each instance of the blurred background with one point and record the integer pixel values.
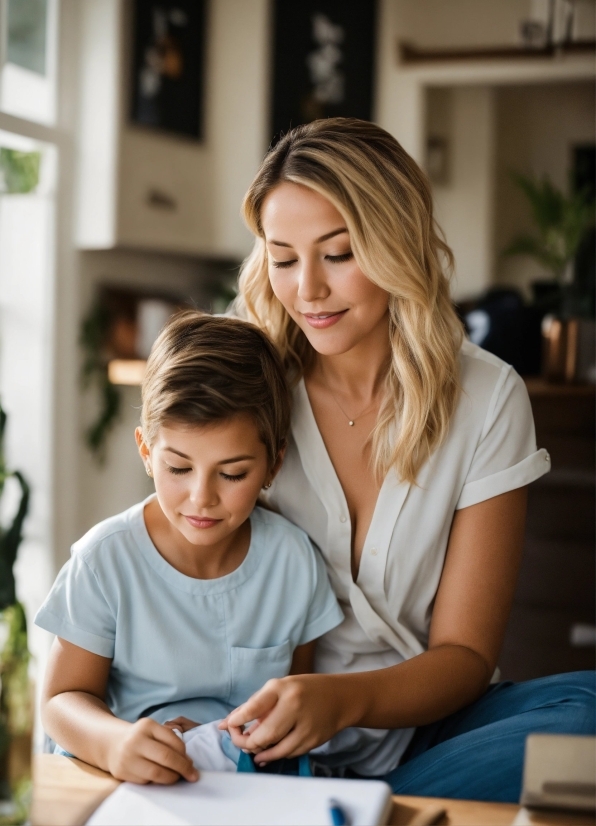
(129, 132)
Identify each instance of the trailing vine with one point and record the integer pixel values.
(94, 372)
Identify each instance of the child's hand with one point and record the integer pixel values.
(150, 753)
(181, 724)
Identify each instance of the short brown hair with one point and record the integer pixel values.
(205, 369)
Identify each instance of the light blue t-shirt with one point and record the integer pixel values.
(185, 646)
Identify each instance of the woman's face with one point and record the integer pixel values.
(315, 275)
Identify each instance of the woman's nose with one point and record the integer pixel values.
(312, 283)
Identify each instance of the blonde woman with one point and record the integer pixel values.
(410, 454)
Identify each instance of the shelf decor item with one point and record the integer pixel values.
(565, 235)
(323, 64)
(168, 65)
(16, 694)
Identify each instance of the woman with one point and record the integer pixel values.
(409, 461)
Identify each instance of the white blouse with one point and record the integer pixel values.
(490, 449)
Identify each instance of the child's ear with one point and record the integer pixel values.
(144, 452)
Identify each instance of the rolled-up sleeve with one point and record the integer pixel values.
(506, 456)
(77, 610)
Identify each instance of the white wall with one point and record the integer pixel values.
(536, 128)
(464, 204)
(104, 490)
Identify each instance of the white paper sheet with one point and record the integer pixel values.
(225, 799)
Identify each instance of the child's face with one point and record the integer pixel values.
(207, 477)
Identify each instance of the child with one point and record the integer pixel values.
(185, 604)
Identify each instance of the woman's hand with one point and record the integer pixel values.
(181, 724)
(150, 753)
(293, 715)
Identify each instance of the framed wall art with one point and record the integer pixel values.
(323, 63)
(168, 57)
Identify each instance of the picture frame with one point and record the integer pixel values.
(323, 61)
(168, 64)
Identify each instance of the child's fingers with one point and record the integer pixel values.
(144, 770)
(169, 751)
(181, 723)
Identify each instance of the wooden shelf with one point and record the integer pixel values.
(540, 387)
(126, 371)
(409, 54)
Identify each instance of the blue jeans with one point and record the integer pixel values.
(478, 752)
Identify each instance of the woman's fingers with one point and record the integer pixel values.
(257, 706)
(291, 745)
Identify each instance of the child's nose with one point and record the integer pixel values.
(204, 494)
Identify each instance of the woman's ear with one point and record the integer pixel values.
(144, 451)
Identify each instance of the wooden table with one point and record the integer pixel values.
(67, 791)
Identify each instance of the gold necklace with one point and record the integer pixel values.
(351, 421)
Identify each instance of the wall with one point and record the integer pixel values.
(106, 489)
(464, 204)
(536, 128)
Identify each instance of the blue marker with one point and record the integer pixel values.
(338, 814)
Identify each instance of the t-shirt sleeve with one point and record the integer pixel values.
(77, 610)
(324, 612)
(506, 456)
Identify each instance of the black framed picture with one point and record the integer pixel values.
(323, 63)
(169, 47)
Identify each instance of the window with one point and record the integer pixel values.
(28, 58)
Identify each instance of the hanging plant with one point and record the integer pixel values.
(16, 717)
(94, 373)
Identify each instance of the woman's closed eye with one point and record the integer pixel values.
(333, 259)
(339, 259)
(281, 265)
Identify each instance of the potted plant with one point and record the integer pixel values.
(16, 714)
(565, 225)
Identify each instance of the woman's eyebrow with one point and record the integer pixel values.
(320, 240)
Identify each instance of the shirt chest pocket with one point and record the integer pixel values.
(252, 667)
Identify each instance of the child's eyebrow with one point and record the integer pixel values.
(241, 458)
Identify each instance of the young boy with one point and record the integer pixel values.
(187, 603)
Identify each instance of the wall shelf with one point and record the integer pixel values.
(410, 54)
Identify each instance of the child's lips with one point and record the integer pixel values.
(201, 521)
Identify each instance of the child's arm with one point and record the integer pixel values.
(75, 715)
(304, 658)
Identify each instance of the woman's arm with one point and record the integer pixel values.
(470, 614)
(75, 714)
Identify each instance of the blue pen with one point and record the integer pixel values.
(338, 814)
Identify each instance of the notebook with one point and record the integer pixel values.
(228, 799)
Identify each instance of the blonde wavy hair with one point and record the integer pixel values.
(386, 202)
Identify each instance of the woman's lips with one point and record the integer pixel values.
(202, 522)
(321, 320)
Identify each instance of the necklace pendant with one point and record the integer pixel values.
(351, 424)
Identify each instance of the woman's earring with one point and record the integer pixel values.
(266, 487)
(148, 469)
